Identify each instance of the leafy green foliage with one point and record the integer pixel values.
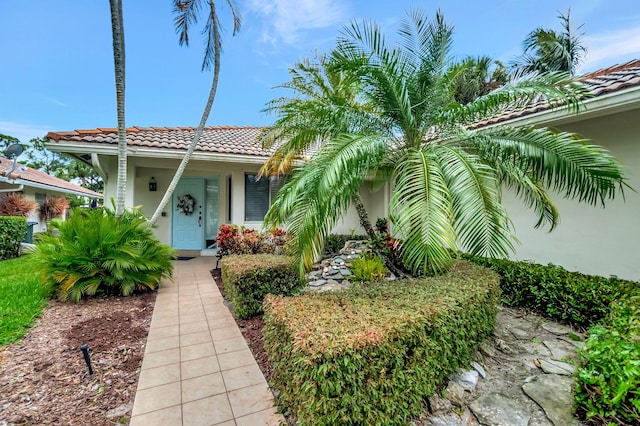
(95, 251)
(336, 242)
(387, 112)
(367, 269)
(249, 278)
(557, 293)
(12, 232)
(23, 297)
(371, 354)
(608, 388)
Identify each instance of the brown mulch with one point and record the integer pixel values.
(44, 378)
(251, 330)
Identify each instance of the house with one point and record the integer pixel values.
(37, 186)
(221, 179)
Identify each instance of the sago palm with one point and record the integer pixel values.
(395, 117)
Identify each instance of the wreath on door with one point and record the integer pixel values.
(186, 204)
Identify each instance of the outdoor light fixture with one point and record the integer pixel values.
(153, 185)
(85, 351)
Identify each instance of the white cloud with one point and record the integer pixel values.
(23, 131)
(611, 48)
(286, 20)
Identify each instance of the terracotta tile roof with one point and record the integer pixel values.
(218, 139)
(25, 175)
(598, 83)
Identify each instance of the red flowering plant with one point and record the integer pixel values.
(232, 239)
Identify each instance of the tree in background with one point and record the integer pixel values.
(549, 50)
(475, 77)
(187, 12)
(403, 124)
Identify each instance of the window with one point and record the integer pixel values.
(258, 195)
(40, 198)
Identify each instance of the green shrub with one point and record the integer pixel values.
(249, 278)
(335, 242)
(12, 231)
(557, 293)
(608, 388)
(96, 251)
(367, 269)
(372, 354)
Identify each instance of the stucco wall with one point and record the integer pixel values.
(592, 240)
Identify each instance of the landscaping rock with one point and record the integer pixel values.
(561, 350)
(553, 393)
(467, 379)
(557, 329)
(480, 369)
(455, 394)
(499, 410)
(438, 404)
(317, 283)
(551, 366)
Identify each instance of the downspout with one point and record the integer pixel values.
(3, 178)
(18, 189)
(95, 162)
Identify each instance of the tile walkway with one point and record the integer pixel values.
(197, 367)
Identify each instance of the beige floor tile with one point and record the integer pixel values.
(151, 377)
(193, 327)
(195, 338)
(163, 344)
(227, 423)
(157, 398)
(164, 322)
(202, 350)
(158, 359)
(162, 332)
(268, 417)
(192, 317)
(242, 377)
(171, 416)
(225, 333)
(230, 345)
(236, 359)
(223, 322)
(199, 367)
(202, 387)
(207, 411)
(249, 400)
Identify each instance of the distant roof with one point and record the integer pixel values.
(598, 83)
(27, 176)
(214, 139)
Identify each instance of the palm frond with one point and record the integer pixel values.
(186, 12)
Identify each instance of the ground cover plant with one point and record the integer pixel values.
(249, 278)
(97, 252)
(372, 354)
(22, 298)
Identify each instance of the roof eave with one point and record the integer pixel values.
(616, 102)
(25, 182)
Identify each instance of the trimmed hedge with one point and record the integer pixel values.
(372, 354)
(249, 278)
(12, 232)
(556, 293)
(608, 383)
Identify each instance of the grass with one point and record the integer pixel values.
(22, 298)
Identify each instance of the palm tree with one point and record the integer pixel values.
(117, 28)
(187, 14)
(401, 122)
(548, 50)
(474, 77)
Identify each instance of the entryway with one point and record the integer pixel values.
(194, 222)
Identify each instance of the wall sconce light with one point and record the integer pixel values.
(153, 185)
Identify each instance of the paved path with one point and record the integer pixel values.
(197, 368)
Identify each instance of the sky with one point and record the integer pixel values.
(57, 73)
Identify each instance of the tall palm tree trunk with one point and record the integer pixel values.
(117, 28)
(203, 121)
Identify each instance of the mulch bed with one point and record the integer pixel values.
(252, 331)
(44, 378)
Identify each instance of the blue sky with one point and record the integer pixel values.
(56, 72)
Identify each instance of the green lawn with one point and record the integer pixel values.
(22, 298)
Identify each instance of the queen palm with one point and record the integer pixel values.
(395, 117)
(187, 14)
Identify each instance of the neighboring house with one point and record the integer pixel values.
(37, 186)
(221, 179)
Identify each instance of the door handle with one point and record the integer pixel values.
(200, 221)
